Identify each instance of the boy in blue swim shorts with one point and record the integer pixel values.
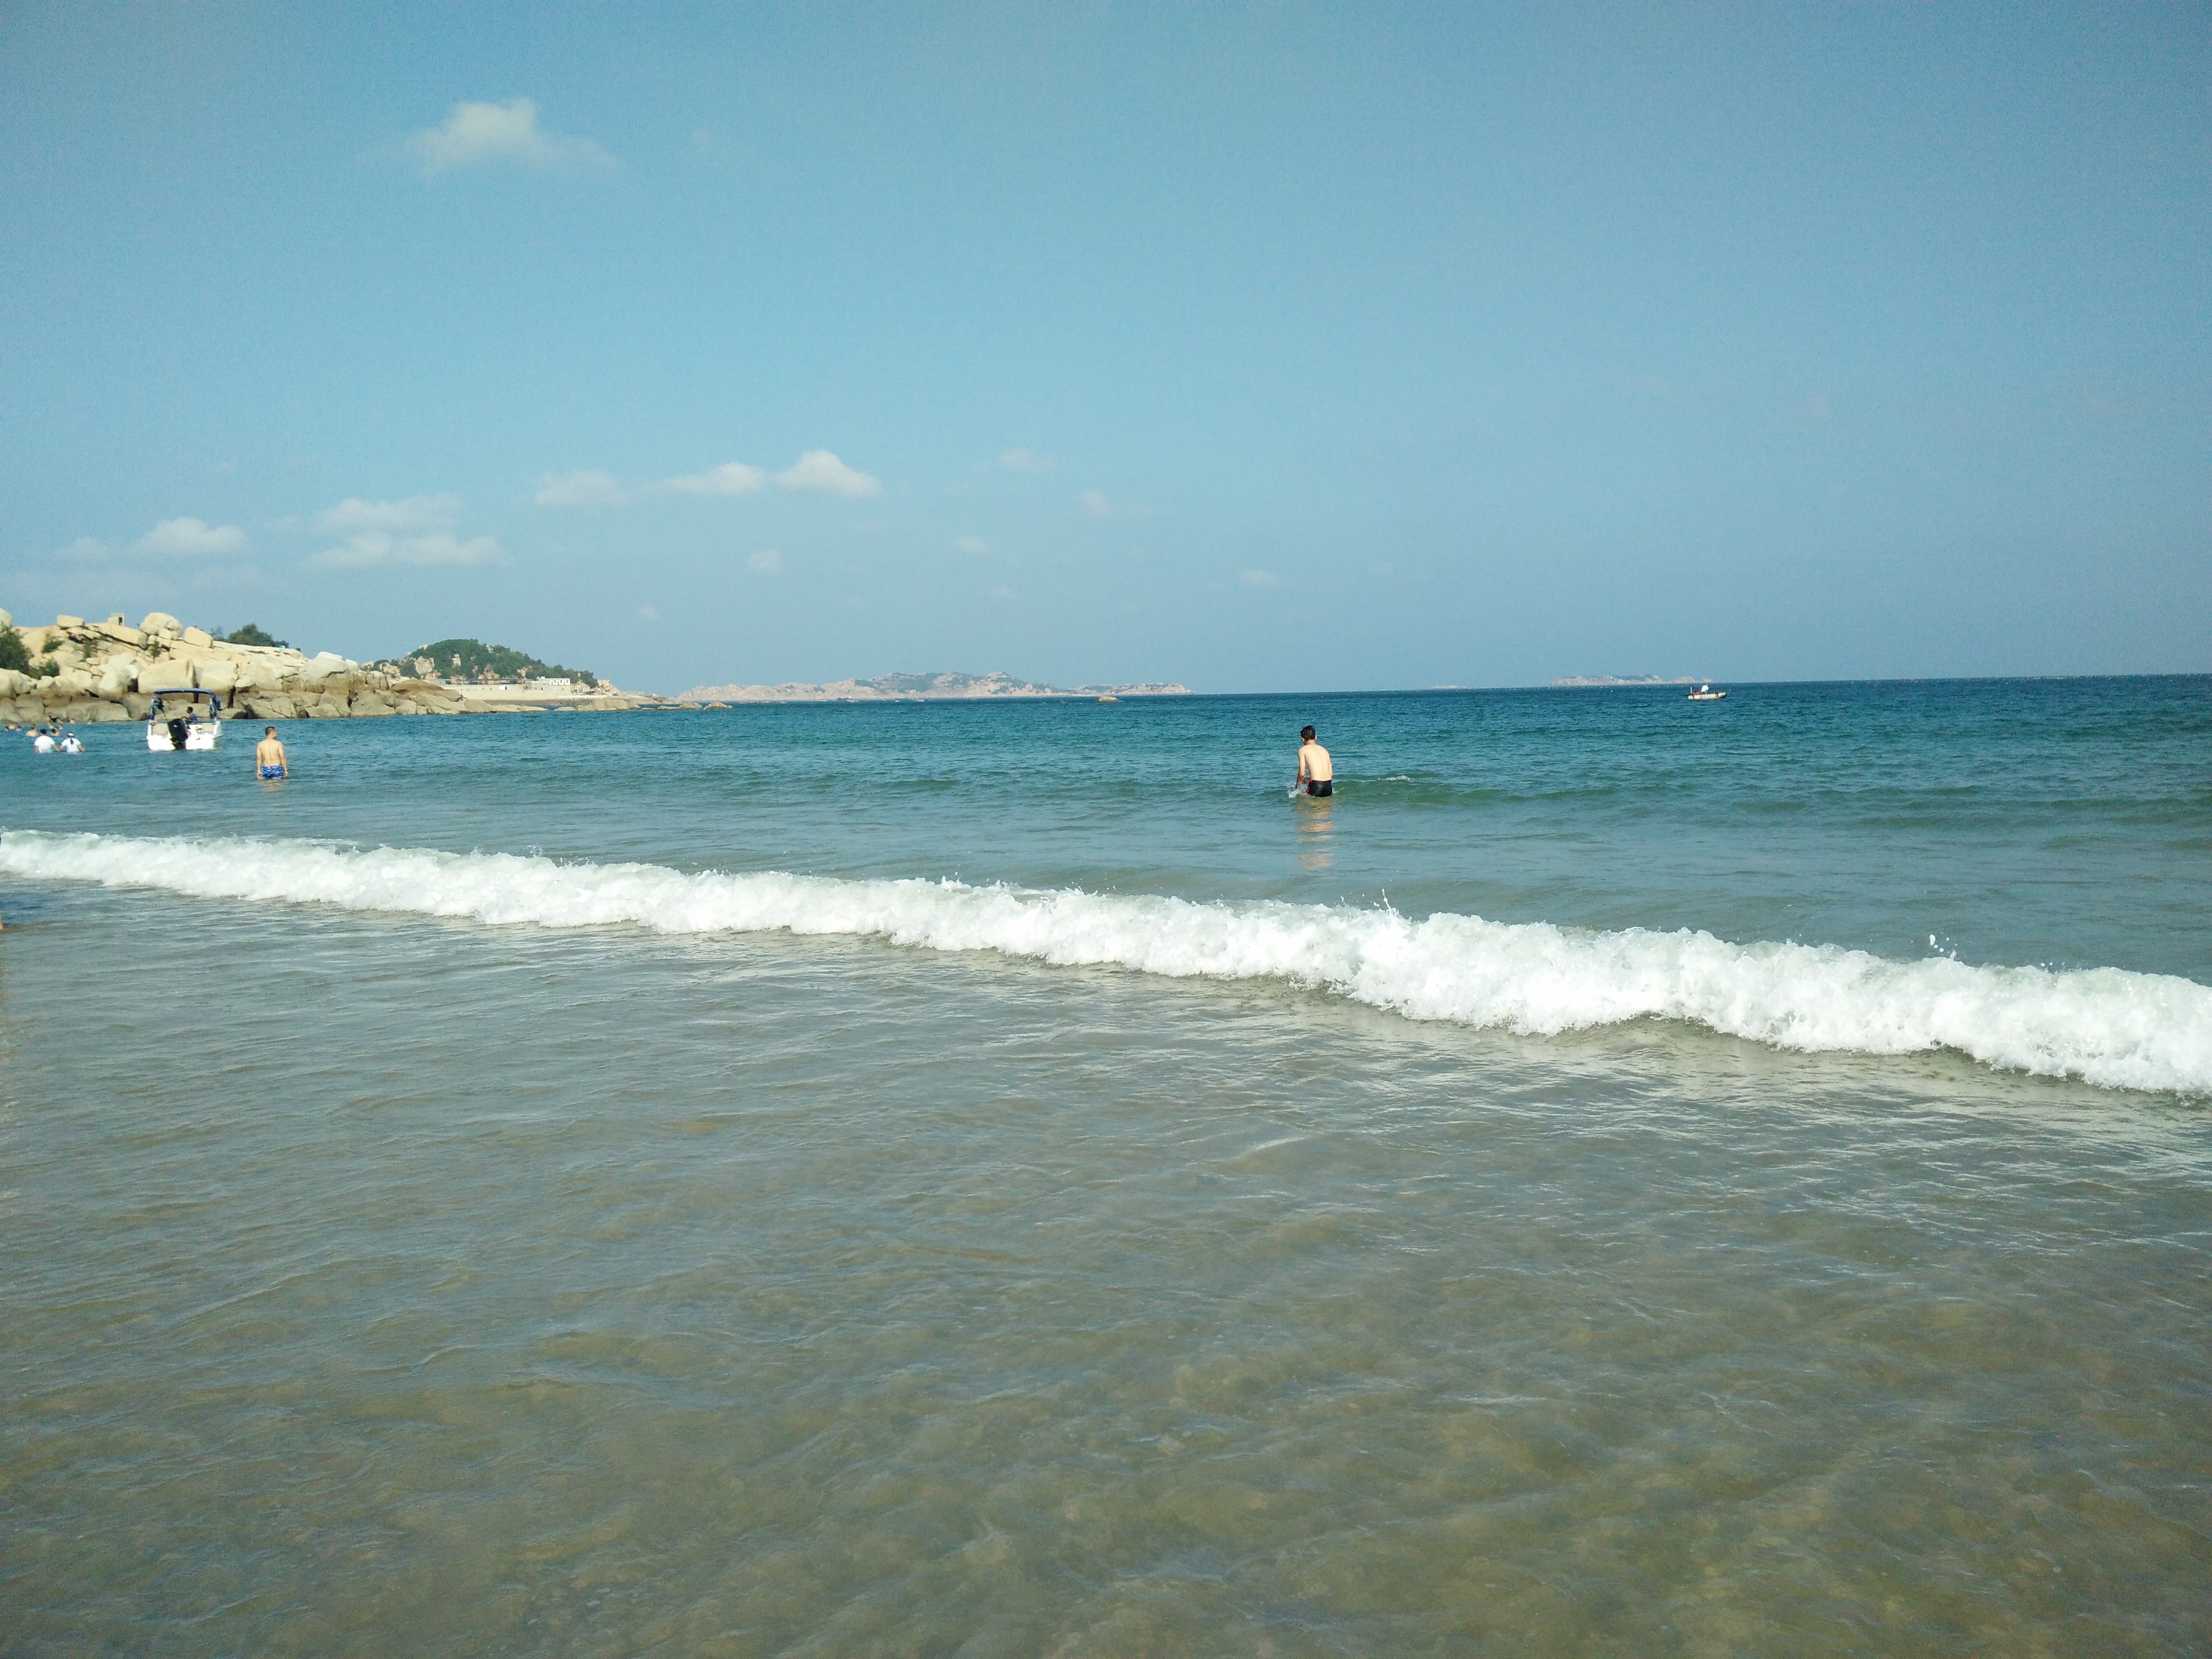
(268, 757)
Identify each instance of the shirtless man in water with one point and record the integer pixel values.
(1315, 770)
(269, 760)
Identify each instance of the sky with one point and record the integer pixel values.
(1258, 347)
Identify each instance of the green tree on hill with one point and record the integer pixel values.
(254, 634)
(472, 659)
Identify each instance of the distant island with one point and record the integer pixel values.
(1629, 679)
(919, 687)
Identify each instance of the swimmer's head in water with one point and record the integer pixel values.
(1306, 733)
(271, 730)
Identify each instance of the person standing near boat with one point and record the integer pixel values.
(1315, 770)
(269, 762)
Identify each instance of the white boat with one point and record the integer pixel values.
(1706, 694)
(176, 721)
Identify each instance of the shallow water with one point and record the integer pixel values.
(387, 1282)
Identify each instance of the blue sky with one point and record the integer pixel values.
(1261, 347)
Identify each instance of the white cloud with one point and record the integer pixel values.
(416, 513)
(1098, 505)
(647, 613)
(731, 478)
(820, 471)
(1026, 461)
(479, 134)
(590, 488)
(374, 548)
(1259, 579)
(84, 550)
(418, 530)
(767, 562)
(974, 544)
(192, 537)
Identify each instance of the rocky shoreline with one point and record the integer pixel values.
(109, 671)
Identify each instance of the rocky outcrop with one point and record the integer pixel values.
(109, 671)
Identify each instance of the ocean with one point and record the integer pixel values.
(1624, 1175)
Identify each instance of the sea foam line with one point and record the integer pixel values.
(2106, 1025)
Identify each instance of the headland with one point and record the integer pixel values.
(83, 671)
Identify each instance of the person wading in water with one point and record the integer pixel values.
(269, 762)
(1315, 770)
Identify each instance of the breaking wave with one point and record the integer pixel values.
(2106, 1025)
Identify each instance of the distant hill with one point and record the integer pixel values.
(916, 688)
(472, 660)
(1627, 679)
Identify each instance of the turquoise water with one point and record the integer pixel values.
(466, 1200)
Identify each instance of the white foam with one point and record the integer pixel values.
(2106, 1025)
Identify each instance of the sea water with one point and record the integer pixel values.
(1622, 1175)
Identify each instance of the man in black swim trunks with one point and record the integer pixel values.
(1315, 770)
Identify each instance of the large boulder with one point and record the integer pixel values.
(13, 684)
(165, 674)
(161, 623)
(215, 674)
(198, 636)
(262, 673)
(369, 704)
(320, 666)
(117, 675)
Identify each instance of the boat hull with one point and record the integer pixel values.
(198, 735)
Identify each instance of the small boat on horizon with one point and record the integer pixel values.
(1706, 694)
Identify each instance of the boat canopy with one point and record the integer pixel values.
(188, 692)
